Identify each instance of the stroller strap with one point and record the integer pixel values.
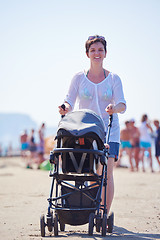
(78, 168)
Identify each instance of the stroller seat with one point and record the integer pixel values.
(80, 130)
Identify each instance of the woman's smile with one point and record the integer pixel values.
(97, 51)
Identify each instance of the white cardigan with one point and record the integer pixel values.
(97, 96)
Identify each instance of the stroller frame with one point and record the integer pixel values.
(84, 187)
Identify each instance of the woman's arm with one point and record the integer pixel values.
(71, 96)
(149, 126)
(118, 96)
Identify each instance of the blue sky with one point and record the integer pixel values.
(42, 47)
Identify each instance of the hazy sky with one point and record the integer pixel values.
(42, 47)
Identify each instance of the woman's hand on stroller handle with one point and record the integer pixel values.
(64, 109)
(119, 108)
(110, 109)
(106, 145)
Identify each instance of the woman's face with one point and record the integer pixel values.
(96, 52)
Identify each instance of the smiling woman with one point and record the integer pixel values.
(96, 52)
(100, 91)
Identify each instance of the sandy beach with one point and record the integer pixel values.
(24, 193)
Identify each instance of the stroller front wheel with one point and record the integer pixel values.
(42, 226)
(104, 225)
(110, 223)
(55, 225)
(98, 223)
(62, 226)
(50, 222)
(91, 224)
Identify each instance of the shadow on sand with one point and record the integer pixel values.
(118, 233)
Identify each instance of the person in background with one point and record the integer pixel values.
(41, 134)
(125, 144)
(32, 149)
(145, 140)
(101, 91)
(135, 143)
(24, 144)
(157, 142)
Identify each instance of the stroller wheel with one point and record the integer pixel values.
(110, 222)
(50, 223)
(42, 226)
(104, 225)
(98, 223)
(91, 224)
(55, 225)
(62, 226)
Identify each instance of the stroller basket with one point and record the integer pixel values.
(74, 217)
(77, 206)
(79, 199)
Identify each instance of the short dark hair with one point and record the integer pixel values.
(95, 38)
(144, 118)
(126, 122)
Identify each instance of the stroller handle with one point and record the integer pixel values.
(63, 107)
(109, 127)
(110, 120)
(63, 150)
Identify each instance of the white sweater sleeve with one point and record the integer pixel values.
(73, 91)
(118, 94)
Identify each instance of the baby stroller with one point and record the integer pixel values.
(76, 189)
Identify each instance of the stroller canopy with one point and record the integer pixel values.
(81, 122)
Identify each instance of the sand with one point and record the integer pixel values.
(24, 193)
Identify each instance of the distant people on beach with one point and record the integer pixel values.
(130, 144)
(157, 142)
(145, 140)
(136, 143)
(24, 144)
(32, 149)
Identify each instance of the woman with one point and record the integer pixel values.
(145, 139)
(101, 91)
